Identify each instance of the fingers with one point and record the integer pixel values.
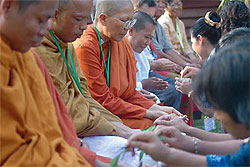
(149, 96)
(185, 71)
(174, 111)
(167, 117)
(162, 85)
(144, 92)
(164, 122)
(166, 131)
(142, 140)
(155, 79)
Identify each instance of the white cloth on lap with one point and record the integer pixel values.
(111, 146)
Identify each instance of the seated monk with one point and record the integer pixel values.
(108, 62)
(90, 118)
(30, 133)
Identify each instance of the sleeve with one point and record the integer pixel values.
(25, 145)
(165, 28)
(160, 39)
(158, 46)
(239, 158)
(166, 43)
(216, 161)
(93, 71)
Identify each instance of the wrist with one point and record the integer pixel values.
(195, 141)
(188, 130)
(187, 144)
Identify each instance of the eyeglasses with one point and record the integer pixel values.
(172, 5)
(127, 24)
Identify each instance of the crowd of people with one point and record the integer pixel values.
(74, 93)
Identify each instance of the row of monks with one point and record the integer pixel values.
(53, 92)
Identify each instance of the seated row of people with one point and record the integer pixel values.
(31, 120)
(104, 103)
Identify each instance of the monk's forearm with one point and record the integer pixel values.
(123, 130)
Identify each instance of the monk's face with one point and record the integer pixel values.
(26, 28)
(70, 23)
(115, 28)
(140, 39)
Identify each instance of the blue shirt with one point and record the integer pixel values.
(161, 41)
(239, 158)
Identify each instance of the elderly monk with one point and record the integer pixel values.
(30, 134)
(89, 117)
(108, 62)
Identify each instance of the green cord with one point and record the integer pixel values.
(74, 75)
(179, 34)
(107, 66)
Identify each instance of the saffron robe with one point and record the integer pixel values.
(29, 131)
(171, 32)
(64, 119)
(121, 97)
(89, 117)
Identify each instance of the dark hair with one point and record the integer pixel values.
(168, 1)
(142, 19)
(23, 4)
(234, 14)
(238, 34)
(150, 3)
(212, 33)
(224, 80)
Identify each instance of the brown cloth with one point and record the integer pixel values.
(89, 117)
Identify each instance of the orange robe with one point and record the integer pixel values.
(29, 131)
(121, 98)
(64, 119)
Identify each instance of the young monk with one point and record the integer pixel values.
(30, 134)
(108, 62)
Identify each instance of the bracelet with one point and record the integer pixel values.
(190, 93)
(195, 145)
(81, 142)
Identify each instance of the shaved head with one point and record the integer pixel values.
(23, 4)
(112, 7)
